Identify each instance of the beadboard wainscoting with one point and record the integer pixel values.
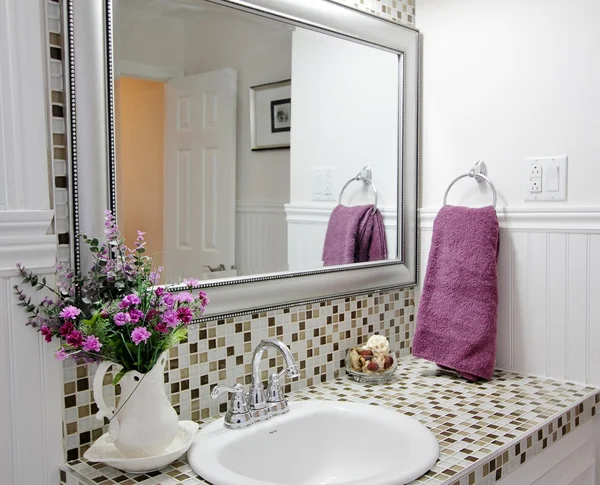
(261, 238)
(307, 226)
(549, 290)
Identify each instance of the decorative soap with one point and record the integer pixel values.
(374, 358)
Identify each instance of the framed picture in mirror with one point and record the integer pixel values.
(270, 115)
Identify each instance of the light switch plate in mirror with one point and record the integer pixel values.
(90, 28)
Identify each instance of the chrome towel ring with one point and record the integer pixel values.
(364, 176)
(479, 173)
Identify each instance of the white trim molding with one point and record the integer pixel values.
(24, 239)
(571, 220)
(147, 71)
(315, 213)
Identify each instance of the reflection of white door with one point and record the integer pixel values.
(199, 177)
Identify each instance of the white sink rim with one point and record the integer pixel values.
(203, 456)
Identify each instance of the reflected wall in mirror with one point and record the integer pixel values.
(206, 96)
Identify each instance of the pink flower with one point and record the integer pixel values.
(47, 333)
(184, 297)
(170, 318)
(61, 354)
(104, 313)
(75, 339)
(159, 291)
(66, 329)
(70, 312)
(168, 300)
(92, 344)
(191, 282)
(161, 327)
(121, 319)
(130, 300)
(140, 334)
(184, 314)
(136, 315)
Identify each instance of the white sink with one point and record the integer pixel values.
(317, 443)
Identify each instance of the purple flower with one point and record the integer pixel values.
(129, 300)
(47, 301)
(184, 314)
(47, 333)
(159, 291)
(168, 300)
(61, 354)
(184, 297)
(104, 313)
(136, 315)
(70, 312)
(121, 319)
(191, 282)
(92, 344)
(155, 276)
(170, 318)
(66, 329)
(203, 298)
(75, 339)
(140, 334)
(161, 327)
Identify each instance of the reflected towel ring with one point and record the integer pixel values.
(478, 172)
(363, 176)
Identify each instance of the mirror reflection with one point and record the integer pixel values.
(248, 146)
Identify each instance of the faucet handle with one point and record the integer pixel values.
(276, 399)
(238, 415)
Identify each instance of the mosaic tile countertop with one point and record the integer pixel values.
(486, 430)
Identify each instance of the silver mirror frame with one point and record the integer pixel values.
(88, 24)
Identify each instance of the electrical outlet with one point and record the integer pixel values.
(535, 185)
(535, 170)
(545, 178)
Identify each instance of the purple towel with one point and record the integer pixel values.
(354, 235)
(456, 323)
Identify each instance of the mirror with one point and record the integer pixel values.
(267, 148)
(242, 133)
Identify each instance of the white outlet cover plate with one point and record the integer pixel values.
(545, 163)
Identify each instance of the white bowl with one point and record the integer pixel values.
(107, 453)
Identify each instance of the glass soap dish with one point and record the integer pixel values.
(372, 377)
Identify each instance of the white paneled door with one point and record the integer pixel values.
(199, 178)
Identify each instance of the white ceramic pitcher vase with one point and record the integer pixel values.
(144, 423)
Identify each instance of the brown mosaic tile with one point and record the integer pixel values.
(216, 353)
(464, 417)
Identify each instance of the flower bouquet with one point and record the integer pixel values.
(115, 314)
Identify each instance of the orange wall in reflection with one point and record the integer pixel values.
(140, 113)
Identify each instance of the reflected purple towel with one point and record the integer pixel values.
(354, 235)
(456, 323)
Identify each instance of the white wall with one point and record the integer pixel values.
(30, 405)
(260, 51)
(340, 124)
(502, 81)
(148, 39)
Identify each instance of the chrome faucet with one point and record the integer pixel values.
(256, 405)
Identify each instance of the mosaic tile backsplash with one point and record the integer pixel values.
(401, 11)
(220, 352)
(486, 430)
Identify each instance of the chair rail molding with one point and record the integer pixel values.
(572, 220)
